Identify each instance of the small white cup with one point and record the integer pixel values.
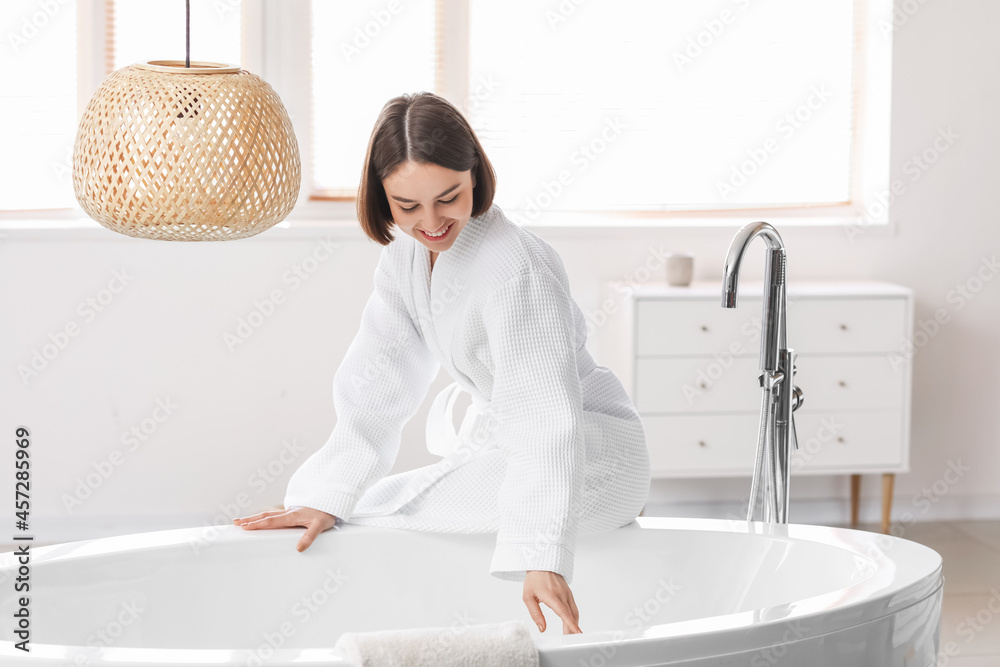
(680, 269)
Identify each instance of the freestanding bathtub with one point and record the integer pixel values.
(659, 591)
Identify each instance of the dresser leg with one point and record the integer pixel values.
(855, 499)
(887, 480)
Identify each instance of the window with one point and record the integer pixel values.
(40, 109)
(652, 105)
(37, 105)
(635, 112)
(215, 31)
(363, 54)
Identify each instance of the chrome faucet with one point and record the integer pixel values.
(780, 396)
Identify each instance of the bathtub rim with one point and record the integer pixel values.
(896, 584)
(888, 592)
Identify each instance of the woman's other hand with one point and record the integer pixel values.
(315, 521)
(552, 589)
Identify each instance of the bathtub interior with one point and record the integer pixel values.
(180, 589)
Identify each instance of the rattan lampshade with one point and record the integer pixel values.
(175, 153)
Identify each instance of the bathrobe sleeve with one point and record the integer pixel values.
(537, 402)
(379, 386)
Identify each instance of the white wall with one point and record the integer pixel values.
(162, 336)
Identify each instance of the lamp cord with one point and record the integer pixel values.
(187, 35)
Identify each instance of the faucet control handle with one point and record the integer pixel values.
(795, 437)
(797, 398)
(770, 379)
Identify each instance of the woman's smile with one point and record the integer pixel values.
(441, 234)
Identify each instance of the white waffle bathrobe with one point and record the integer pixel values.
(551, 446)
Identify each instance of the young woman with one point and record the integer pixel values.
(551, 446)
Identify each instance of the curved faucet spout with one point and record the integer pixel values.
(738, 248)
(772, 335)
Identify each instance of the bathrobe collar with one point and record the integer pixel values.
(440, 295)
(450, 279)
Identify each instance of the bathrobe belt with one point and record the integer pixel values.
(442, 440)
(440, 430)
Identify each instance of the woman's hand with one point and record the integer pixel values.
(552, 589)
(315, 521)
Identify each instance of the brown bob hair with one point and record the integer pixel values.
(425, 128)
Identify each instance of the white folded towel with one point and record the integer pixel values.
(507, 644)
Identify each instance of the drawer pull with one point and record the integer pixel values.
(840, 438)
(702, 385)
(704, 328)
(701, 443)
(843, 327)
(842, 383)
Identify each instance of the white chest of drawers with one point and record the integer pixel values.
(694, 368)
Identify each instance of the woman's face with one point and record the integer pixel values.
(429, 198)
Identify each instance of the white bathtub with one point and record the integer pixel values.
(658, 591)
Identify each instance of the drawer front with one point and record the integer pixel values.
(850, 383)
(729, 384)
(691, 444)
(700, 384)
(847, 440)
(725, 445)
(815, 326)
(678, 327)
(825, 326)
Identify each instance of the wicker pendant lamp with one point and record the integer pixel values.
(181, 151)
